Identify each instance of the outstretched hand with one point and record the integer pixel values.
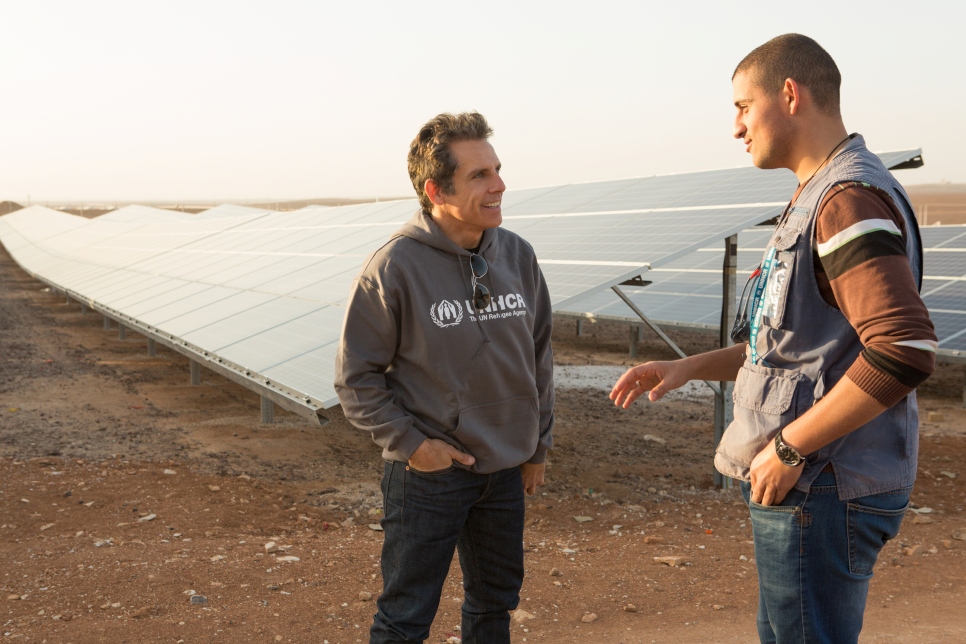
(653, 378)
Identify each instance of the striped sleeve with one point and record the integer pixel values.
(861, 249)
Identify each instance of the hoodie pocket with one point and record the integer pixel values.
(499, 434)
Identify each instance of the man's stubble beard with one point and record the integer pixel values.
(776, 150)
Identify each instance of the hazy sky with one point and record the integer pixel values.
(210, 100)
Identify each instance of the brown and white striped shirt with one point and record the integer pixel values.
(861, 268)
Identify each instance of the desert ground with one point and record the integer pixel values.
(939, 203)
(137, 508)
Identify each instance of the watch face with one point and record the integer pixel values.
(786, 454)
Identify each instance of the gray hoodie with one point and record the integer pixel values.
(418, 361)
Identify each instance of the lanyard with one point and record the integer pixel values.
(757, 305)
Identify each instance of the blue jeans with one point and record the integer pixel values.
(815, 556)
(427, 517)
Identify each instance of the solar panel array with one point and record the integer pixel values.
(591, 236)
(140, 213)
(944, 286)
(687, 291)
(262, 293)
(684, 292)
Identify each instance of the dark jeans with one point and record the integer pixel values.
(427, 516)
(815, 556)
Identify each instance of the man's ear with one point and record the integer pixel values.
(792, 96)
(434, 192)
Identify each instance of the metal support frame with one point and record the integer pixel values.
(594, 318)
(83, 308)
(668, 341)
(580, 327)
(268, 411)
(723, 405)
(635, 333)
(296, 402)
(195, 372)
(121, 332)
(152, 347)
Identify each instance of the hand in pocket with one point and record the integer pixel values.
(433, 455)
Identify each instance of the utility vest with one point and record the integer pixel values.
(805, 346)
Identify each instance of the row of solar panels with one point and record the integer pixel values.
(260, 295)
(687, 292)
(137, 213)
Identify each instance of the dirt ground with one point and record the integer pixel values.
(939, 203)
(125, 492)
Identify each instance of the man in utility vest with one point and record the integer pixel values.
(831, 346)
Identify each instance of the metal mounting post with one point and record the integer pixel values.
(152, 347)
(83, 308)
(107, 323)
(580, 326)
(121, 332)
(195, 372)
(635, 333)
(723, 405)
(668, 341)
(268, 411)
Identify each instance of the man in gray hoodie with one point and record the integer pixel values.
(445, 358)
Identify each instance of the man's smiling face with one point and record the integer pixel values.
(477, 188)
(762, 122)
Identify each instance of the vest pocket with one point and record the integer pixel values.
(776, 291)
(779, 278)
(766, 400)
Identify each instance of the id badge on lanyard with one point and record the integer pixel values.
(757, 306)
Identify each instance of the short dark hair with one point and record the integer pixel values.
(429, 153)
(800, 58)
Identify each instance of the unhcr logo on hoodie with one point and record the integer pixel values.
(450, 312)
(446, 313)
(500, 307)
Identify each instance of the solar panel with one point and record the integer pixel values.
(900, 160)
(260, 295)
(944, 292)
(230, 210)
(136, 212)
(687, 291)
(684, 292)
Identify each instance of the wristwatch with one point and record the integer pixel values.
(786, 454)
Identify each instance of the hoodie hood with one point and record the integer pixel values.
(423, 229)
